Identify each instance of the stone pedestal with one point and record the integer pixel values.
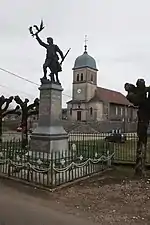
(49, 134)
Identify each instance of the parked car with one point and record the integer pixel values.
(116, 137)
(19, 129)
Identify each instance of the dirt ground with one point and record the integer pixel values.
(114, 198)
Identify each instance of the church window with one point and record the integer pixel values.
(121, 111)
(70, 111)
(91, 111)
(81, 76)
(91, 77)
(77, 77)
(116, 110)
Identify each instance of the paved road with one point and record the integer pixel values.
(20, 208)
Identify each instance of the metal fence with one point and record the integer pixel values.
(91, 144)
(87, 154)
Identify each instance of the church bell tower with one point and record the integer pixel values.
(83, 87)
(84, 76)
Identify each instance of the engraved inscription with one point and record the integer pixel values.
(56, 105)
(44, 107)
(50, 104)
(45, 94)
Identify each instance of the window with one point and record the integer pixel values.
(91, 77)
(70, 111)
(79, 115)
(91, 111)
(77, 77)
(116, 110)
(81, 76)
(121, 111)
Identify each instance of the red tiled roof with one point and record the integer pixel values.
(106, 95)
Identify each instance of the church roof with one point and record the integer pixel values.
(110, 96)
(106, 95)
(85, 60)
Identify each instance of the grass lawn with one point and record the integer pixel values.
(123, 152)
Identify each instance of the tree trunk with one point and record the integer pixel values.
(141, 145)
(24, 134)
(140, 158)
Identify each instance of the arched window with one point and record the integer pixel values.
(77, 77)
(81, 76)
(91, 111)
(70, 111)
(91, 77)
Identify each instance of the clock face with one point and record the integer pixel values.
(78, 91)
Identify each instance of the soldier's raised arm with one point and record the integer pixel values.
(40, 41)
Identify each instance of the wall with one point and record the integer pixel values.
(79, 84)
(116, 112)
(102, 126)
(106, 126)
(119, 112)
(90, 91)
(77, 107)
(96, 107)
(79, 95)
(100, 111)
(87, 84)
(91, 111)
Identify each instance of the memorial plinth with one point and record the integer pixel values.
(50, 135)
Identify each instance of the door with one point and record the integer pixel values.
(79, 115)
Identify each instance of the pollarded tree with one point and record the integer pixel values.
(26, 112)
(139, 96)
(4, 111)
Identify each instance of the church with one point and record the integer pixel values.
(91, 102)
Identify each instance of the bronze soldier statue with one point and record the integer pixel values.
(52, 58)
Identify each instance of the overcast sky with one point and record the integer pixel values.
(118, 38)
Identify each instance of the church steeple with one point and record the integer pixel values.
(85, 46)
(85, 60)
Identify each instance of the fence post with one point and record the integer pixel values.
(50, 173)
(8, 146)
(28, 168)
(109, 160)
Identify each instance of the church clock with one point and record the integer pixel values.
(79, 90)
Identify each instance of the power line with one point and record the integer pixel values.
(22, 78)
(13, 74)
(3, 86)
